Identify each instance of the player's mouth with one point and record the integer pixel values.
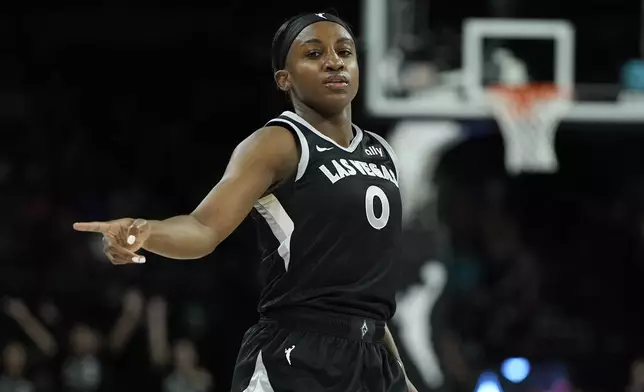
(336, 82)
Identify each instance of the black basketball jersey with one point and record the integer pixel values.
(330, 235)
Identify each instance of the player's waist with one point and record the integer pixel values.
(349, 327)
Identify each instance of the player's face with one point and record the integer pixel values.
(322, 68)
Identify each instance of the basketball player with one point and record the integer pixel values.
(325, 195)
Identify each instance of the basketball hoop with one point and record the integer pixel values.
(528, 116)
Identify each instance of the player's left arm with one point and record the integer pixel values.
(390, 343)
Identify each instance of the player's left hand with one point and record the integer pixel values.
(411, 387)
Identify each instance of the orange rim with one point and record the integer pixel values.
(523, 97)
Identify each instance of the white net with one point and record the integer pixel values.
(528, 117)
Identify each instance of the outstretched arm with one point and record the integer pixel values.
(127, 322)
(265, 158)
(157, 327)
(17, 310)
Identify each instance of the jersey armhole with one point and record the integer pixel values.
(304, 145)
(389, 149)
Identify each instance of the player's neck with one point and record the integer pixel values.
(337, 126)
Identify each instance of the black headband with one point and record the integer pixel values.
(288, 32)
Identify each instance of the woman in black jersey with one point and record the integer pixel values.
(325, 195)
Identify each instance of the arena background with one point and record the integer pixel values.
(513, 283)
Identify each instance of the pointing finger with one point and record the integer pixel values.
(94, 227)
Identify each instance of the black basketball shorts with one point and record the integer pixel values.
(316, 352)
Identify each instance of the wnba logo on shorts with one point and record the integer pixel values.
(364, 328)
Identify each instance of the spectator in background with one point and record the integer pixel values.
(84, 365)
(84, 369)
(17, 360)
(14, 359)
(186, 375)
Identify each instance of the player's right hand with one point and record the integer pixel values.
(121, 238)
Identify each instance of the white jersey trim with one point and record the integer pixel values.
(259, 382)
(390, 151)
(304, 147)
(280, 223)
(352, 146)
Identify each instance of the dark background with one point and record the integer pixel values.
(133, 110)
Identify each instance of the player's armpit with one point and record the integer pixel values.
(261, 160)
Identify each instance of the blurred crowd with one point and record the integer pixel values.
(94, 129)
(85, 359)
(72, 322)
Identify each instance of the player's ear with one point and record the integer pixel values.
(283, 80)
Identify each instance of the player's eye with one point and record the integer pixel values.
(313, 54)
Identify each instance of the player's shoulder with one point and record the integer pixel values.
(278, 136)
(272, 140)
(287, 120)
(273, 131)
(271, 147)
(285, 141)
